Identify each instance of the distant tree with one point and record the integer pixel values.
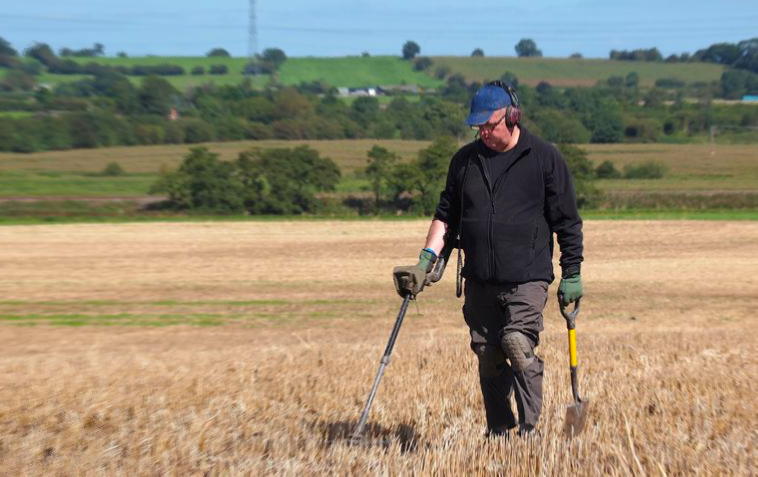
(274, 56)
(422, 63)
(364, 111)
(99, 49)
(576, 56)
(606, 123)
(197, 70)
(721, 53)
(42, 52)
(477, 52)
(285, 181)
(748, 59)
(509, 79)
(560, 127)
(122, 54)
(632, 80)
(424, 177)
(737, 83)
(410, 50)
(218, 52)
(117, 87)
(6, 48)
(379, 171)
(156, 95)
(527, 48)
(202, 183)
(587, 193)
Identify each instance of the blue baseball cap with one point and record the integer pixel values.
(486, 101)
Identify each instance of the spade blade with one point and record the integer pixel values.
(576, 418)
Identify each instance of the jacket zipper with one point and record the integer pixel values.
(490, 253)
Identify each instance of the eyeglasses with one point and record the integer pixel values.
(489, 127)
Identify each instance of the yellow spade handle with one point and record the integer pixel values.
(572, 348)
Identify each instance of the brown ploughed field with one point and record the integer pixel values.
(249, 349)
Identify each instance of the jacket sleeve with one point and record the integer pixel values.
(562, 213)
(448, 208)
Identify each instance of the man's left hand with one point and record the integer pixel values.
(570, 289)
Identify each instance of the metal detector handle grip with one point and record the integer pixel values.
(439, 268)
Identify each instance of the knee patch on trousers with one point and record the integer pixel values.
(518, 350)
(491, 360)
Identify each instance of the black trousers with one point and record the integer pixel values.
(490, 311)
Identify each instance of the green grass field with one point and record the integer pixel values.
(342, 71)
(574, 72)
(391, 70)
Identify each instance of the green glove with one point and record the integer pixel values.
(570, 289)
(410, 279)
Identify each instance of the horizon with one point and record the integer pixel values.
(340, 28)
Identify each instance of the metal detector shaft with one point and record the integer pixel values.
(383, 363)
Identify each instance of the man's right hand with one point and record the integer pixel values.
(410, 280)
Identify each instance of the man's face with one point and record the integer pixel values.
(494, 132)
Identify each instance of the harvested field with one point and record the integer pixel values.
(249, 348)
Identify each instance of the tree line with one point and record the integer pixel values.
(109, 110)
(293, 181)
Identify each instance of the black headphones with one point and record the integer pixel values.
(513, 111)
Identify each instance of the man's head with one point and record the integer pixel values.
(495, 112)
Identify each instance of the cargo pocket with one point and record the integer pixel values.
(514, 249)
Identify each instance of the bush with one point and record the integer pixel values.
(218, 70)
(422, 63)
(441, 72)
(478, 52)
(670, 83)
(113, 169)
(197, 71)
(646, 170)
(607, 170)
(160, 70)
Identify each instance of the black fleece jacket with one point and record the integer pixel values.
(507, 225)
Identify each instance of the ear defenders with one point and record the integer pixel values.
(513, 111)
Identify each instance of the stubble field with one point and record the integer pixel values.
(248, 348)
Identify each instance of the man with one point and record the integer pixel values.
(507, 192)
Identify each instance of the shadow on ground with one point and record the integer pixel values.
(338, 433)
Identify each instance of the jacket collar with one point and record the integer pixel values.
(523, 145)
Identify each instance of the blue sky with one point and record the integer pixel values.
(350, 27)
